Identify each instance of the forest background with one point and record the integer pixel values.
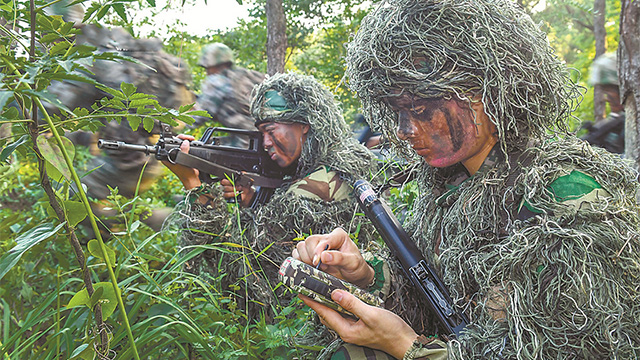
(128, 296)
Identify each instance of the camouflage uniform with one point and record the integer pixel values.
(167, 80)
(538, 246)
(226, 94)
(316, 199)
(607, 133)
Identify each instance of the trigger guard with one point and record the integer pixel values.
(170, 153)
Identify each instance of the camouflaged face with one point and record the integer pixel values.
(293, 97)
(480, 50)
(318, 285)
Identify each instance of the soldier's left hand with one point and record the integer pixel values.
(229, 191)
(377, 328)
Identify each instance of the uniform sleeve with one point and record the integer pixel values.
(322, 184)
(427, 349)
(215, 89)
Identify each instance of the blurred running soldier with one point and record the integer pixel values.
(226, 90)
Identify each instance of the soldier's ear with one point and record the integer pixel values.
(305, 129)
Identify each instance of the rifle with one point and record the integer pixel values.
(216, 161)
(413, 263)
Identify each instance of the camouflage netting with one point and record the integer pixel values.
(273, 227)
(566, 281)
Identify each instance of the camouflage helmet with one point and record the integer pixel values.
(604, 70)
(215, 54)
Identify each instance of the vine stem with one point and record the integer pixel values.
(94, 225)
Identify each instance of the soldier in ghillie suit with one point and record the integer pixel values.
(303, 130)
(226, 90)
(533, 231)
(162, 75)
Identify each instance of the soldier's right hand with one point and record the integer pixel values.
(339, 255)
(187, 175)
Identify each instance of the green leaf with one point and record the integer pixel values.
(200, 113)
(97, 294)
(148, 124)
(134, 121)
(53, 155)
(4, 155)
(186, 119)
(79, 350)
(48, 97)
(142, 102)
(25, 242)
(75, 211)
(108, 299)
(187, 107)
(119, 8)
(59, 48)
(4, 97)
(94, 249)
(127, 89)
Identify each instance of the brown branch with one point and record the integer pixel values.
(48, 189)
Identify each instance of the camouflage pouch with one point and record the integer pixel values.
(318, 285)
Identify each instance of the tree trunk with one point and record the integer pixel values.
(276, 37)
(600, 34)
(629, 75)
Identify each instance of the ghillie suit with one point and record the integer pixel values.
(316, 199)
(540, 247)
(164, 76)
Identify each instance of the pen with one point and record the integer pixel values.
(320, 260)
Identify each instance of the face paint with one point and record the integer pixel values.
(283, 142)
(443, 132)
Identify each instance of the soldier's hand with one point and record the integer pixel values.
(187, 175)
(376, 328)
(230, 192)
(339, 255)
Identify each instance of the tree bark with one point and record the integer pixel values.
(629, 75)
(276, 36)
(600, 34)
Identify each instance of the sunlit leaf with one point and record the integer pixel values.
(148, 124)
(134, 121)
(25, 242)
(127, 89)
(97, 294)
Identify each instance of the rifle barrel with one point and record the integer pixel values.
(119, 145)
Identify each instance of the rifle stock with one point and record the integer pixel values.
(415, 267)
(215, 161)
